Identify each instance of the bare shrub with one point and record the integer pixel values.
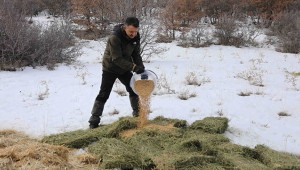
(196, 79)
(227, 32)
(120, 89)
(196, 37)
(215, 9)
(82, 72)
(220, 112)
(163, 39)
(292, 80)
(57, 7)
(245, 93)
(186, 94)
(259, 92)
(283, 114)
(114, 112)
(45, 93)
(254, 77)
(248, 93)
(254, 74)
(32, 7)
(286, 27)
(192, 79)
(230, 31)
(23, 44)
(121, 92)
(163, 86)
(56, 45)
(89, 34)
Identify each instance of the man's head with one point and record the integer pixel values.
(131, 26)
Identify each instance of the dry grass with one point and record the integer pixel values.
(18, 151)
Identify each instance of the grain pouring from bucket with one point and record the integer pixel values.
(143, 85)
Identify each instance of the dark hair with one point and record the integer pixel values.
(132, 21)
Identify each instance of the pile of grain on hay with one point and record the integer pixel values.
(19, 151)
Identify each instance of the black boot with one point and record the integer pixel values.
(134, 101)
(96, 113)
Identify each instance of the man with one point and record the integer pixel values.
(121, 56)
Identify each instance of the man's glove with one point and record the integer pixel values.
(139, 69)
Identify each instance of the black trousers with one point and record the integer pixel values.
(108, 80)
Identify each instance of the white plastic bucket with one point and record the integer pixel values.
(146, 75)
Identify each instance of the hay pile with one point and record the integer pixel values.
(172, 144)
(18, 151)
(162, 144)
(83, 138)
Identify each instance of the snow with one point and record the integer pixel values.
(40, 102)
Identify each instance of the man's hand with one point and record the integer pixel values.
(139, 69)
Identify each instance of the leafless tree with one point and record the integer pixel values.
(148, 36)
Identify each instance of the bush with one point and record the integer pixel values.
(229, 31)
(23, 44)
(57, 7)
(226, 32)
(163, 39)
(195, 37)
(286, 27)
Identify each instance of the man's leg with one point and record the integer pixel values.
(134, 98)
(107, 83)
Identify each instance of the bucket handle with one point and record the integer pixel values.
(153, 73)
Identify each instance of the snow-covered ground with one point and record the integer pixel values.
(40, 102)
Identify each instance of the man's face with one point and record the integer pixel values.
(131, 31)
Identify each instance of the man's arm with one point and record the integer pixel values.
(136, 56)
(116, 54)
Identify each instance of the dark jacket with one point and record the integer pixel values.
(121, 52)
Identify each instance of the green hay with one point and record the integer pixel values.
(212, 166)
(192, 145)
(193, 162)
(58, 139)
(180, 124)
(250, 153)
(160, 120)
(230, 148)
(123, 124)
(211, 124)
(213, 139)
(199, 146)
(168, 145)
(198, 141)
(277, 160)
(237, 161)
(154, 142)
(82, 138)
(117, 154)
